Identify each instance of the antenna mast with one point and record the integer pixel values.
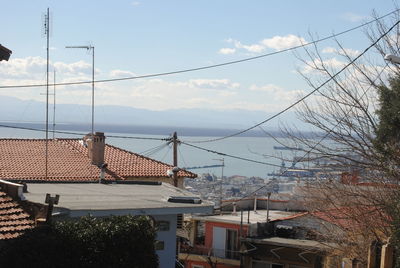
(47, 33)
(54, 104)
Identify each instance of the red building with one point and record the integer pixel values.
(215, 241)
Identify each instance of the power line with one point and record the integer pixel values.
(80, 134)
(304, 97)
(209, 66)
(315, 145)
(232, 156)
(154, 150)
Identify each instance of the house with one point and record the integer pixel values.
(78, 160)
(216, 240)
(161, 201)
(318, 239)
(92, 177)
(282, 236)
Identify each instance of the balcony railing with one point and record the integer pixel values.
(211, 252)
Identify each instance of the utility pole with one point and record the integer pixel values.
(269, 196)
(221, 182)
(175, 158)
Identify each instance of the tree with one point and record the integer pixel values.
(387, 139)
(117, 241)
(356, 123)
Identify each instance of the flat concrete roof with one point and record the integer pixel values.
(292, 243)
(255, 216)
(79, 199)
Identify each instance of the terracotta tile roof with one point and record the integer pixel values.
(24, 160)
(354, 217)
(300, 214)
(13, 220)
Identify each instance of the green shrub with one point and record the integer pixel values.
(117, 241)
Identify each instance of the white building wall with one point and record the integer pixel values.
(167, 255)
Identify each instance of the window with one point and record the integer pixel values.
(232, 244)
(159, 245)
(200, 233)
(162, 225)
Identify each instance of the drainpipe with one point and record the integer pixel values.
(255, 203)
(268, 195)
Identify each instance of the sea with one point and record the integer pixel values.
(249, 156)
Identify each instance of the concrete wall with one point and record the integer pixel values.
(160, 179)
(248, 203)
(167, 255)
(209, 231)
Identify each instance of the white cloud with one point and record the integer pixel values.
(348, 51)
(135, 3)
(79, 67)
(23, 67)
(331, 63)
(212, 83)
(278, 94)
(255, 48)
(265, 88)
(276, 42)
(283, 42)
(353, 17)
(121, 73)
(227, 50)
(153, 94)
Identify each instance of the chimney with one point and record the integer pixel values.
(96, 145)
(234, 209)
(14, 190)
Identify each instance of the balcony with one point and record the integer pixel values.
(211, 252)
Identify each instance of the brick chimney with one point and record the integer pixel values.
(96, 144)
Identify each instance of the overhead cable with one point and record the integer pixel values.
(80, 134)
(301, 99)
(232, 156)
(315, 145)
(208, 66)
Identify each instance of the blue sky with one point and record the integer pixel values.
(144, 37)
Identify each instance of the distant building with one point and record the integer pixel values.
(216, 240)
(283, 236)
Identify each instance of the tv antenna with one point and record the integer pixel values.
(54, 104)
(46, 28)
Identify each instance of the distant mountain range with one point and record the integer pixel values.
(188, 122)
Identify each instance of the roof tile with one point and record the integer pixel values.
(24, 160)
(13, 219)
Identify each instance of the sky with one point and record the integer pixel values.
(146, 37)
